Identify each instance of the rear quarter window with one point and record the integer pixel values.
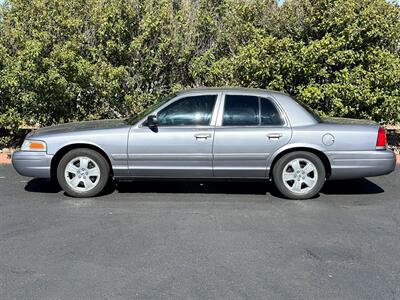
(270, 115)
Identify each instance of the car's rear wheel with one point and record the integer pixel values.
(83, 173)
(299, 175)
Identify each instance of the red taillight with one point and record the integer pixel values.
(381, 140)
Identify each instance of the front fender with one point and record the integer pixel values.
(111, 143)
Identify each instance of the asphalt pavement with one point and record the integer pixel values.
(176, 240)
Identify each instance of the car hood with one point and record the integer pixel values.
(335, 120)
(80, 126)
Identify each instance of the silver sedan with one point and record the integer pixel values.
(210, 133)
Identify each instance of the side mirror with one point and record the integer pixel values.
(152, 121)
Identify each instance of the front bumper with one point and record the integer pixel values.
(359, 164)
(32, 164)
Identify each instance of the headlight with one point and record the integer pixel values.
(31, 145)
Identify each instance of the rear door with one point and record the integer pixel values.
(249, 129)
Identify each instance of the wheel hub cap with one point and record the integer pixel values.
(300, 176)
(82, 174)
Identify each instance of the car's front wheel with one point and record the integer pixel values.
(83, 173)
(299, 175)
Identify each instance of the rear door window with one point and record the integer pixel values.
(242, 110)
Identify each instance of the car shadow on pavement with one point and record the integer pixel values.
(355, 186)
(358, 186)
(343, 187)
(195, 187)
(40, 185)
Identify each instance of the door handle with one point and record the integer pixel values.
(202, 135)
(274, 135)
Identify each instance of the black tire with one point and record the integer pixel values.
(278, 169)
(97, 158)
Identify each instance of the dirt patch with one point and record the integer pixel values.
(5, 158)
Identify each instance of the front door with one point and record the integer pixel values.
(249, 130)
(181, 144)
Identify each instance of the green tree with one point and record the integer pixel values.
(85, 59)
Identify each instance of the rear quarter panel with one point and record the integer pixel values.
(345, 137)
(351, 151)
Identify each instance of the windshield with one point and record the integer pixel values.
(135, 118)
(310, 110)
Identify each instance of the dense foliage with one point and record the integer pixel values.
(83, 59)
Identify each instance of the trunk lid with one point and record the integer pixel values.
(348, 121)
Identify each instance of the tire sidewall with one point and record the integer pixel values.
(94, 155)
(281, 163)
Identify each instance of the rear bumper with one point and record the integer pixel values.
(358, 164)
(32, 164)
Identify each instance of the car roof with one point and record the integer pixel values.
(229, 89)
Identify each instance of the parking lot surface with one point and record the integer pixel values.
(176, 240)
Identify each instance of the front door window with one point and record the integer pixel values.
(188, 111)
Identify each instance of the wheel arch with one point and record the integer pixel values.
(65, 149)
(321, 155)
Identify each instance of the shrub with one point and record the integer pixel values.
(75, 60)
